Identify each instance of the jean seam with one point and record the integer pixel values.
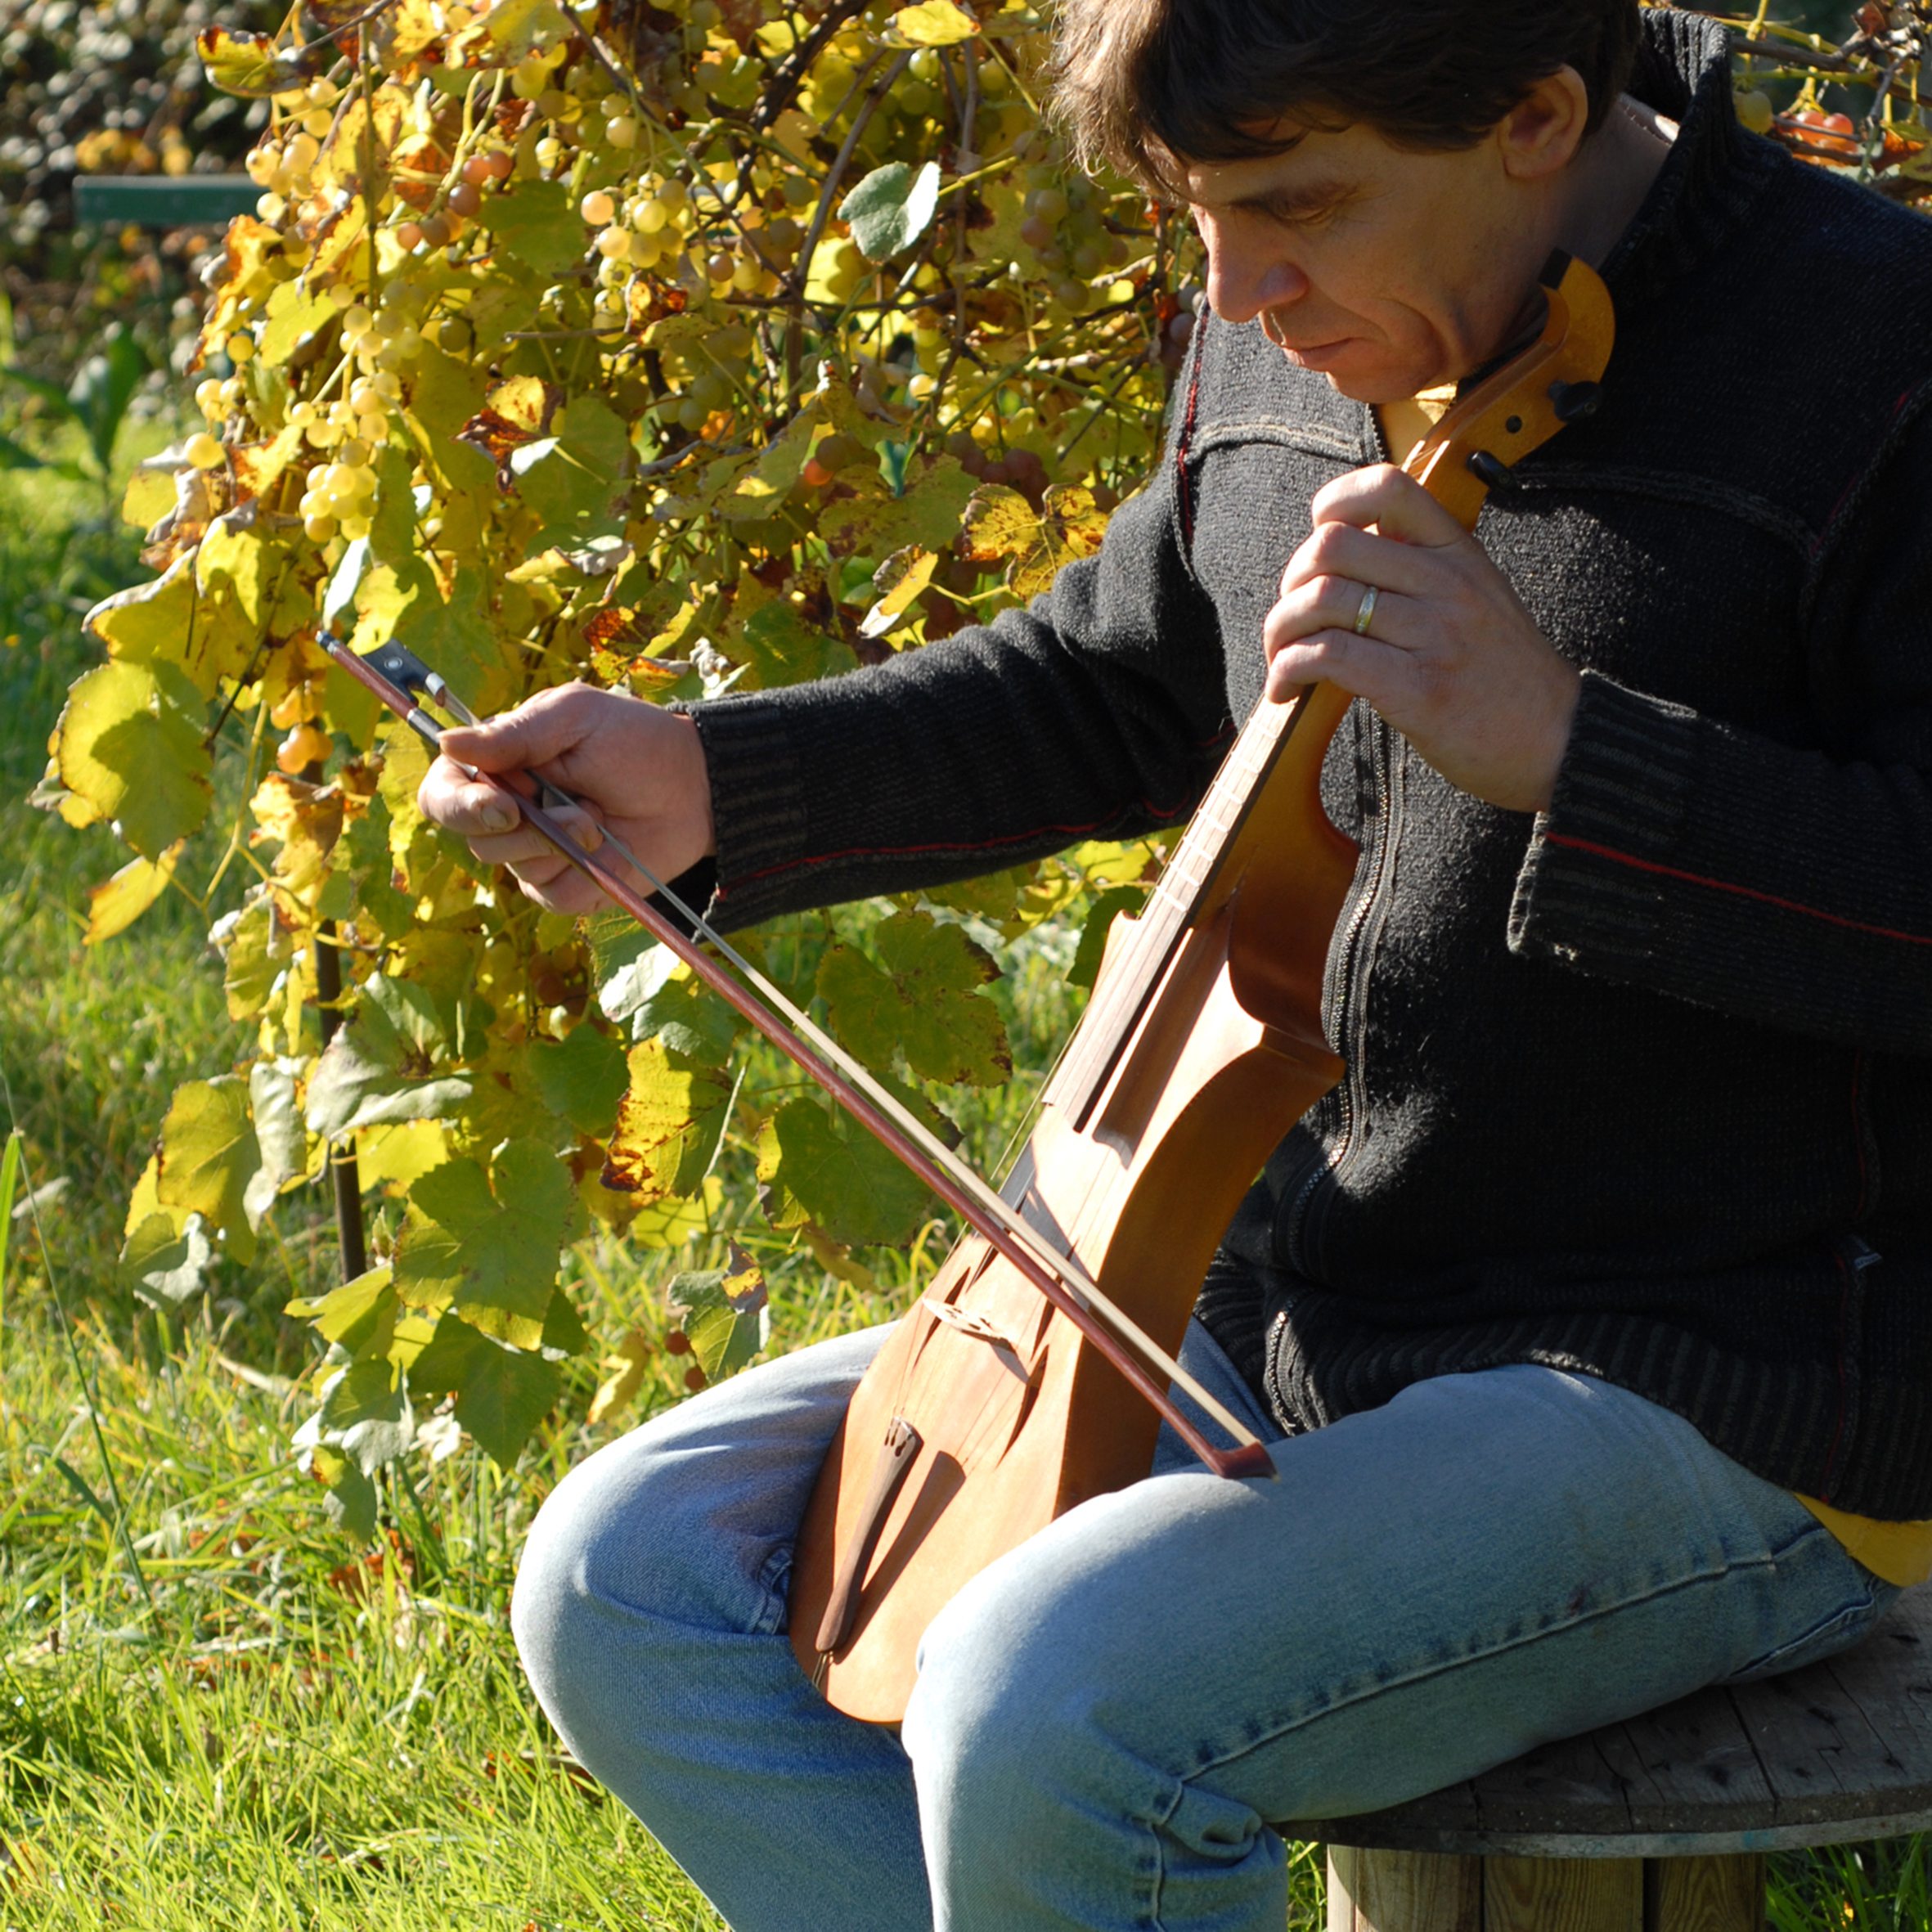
(1583, 1620)
(776, 1569)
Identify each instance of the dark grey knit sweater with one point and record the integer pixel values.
(1638, 1087)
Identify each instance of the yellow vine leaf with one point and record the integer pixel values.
(899, 580)
(520, 28)
(149, 497)
(937, 23)
(116, 903)
(233, 556)
(668, 1125)
(249, 65)
(485, 1246)
(208, 1154)
(130, 745)
(623, 1368)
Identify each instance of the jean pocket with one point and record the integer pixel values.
(1848, 1623)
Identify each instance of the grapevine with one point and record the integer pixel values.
(679, 350)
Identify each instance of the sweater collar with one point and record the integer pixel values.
(1715, 171)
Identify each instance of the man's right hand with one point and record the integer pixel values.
(636, 769)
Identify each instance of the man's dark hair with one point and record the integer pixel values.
(1145, 84)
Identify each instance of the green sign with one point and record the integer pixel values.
(163, 201)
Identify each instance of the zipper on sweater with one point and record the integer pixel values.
(1345, 1018)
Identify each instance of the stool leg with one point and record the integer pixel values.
(1724, 1894)
(1563, 1895)
(1402, 1892)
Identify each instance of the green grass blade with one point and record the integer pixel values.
(10, 1175)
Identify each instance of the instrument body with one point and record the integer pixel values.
(986, 1414)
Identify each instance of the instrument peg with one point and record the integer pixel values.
(1490, 470)
(1574, 401)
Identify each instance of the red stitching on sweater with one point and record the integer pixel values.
(1720, 885)
(1182, 485)
(1850, 489)
(894, 852)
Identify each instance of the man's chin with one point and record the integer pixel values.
(1352, 369)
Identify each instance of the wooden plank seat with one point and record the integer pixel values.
(1661, 1824)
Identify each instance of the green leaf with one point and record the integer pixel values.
(563, 1331)
(1107, 908)
(208, 1155)
(456, 639)
(279, 1133)
(255, 949)
(167, 1262)
(392, 532)
(366, 1413)
(594, 434)
(582, 1078)
(785, 649)
(563, 489)
(821, 1168)
(537, 225)
(485, 1246)
(501, 1393)
(923, 1002)
(726, 1314)
(130, 744)
(359, 1316)
(351, 1500)
(363, 853)
(381, 1067)
(687, 1016)
(669, 1125)
(291, 316)
(891, 208)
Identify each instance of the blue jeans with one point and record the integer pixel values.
(1106, 1720)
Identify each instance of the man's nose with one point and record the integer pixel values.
(1245, 276)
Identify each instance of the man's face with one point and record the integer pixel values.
(1387, 271)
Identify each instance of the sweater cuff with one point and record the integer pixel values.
(757, 803)
(1589, 889)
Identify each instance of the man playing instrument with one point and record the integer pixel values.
(1587, 1320)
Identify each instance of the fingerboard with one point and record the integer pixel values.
(1191, 884)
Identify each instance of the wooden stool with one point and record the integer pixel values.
(1661, 1824)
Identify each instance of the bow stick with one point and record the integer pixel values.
(1057, 1276)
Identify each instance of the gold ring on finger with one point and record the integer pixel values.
(1366, 615)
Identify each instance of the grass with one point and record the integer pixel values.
(228, 1718)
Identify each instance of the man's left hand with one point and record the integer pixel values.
(1451, 658)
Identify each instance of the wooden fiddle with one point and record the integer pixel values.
(987, 1412)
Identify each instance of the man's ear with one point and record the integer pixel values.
(1540, 135)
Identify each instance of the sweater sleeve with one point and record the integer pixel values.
(1098, 713)
(1786, 885)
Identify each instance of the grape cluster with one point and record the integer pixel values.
(1067, 225)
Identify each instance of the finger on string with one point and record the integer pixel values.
(1397, 506)
(1334, 603)
(1365, 668)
